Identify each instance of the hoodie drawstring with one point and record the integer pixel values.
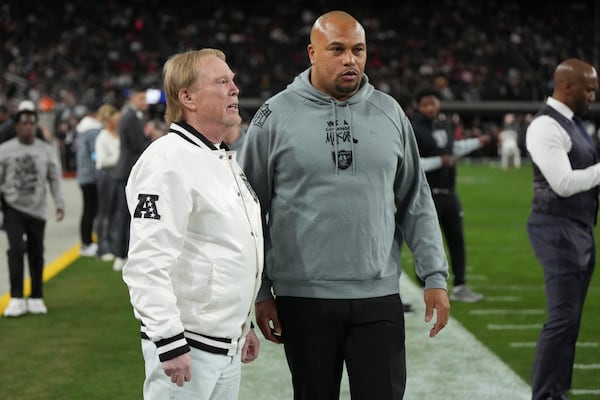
(348, 114)
(335, 138)
(354, 160)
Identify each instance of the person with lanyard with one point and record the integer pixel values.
(566, 175)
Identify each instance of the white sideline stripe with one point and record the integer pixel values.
(506, 299)
(503, 311)
(586, 366)
(513, 327)
(436, 360)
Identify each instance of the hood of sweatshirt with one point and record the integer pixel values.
(87, 123)
(343, 140)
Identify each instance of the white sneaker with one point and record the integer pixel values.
(36, 306)
(88, 251)
(119, 263)
(107, 257)
(464, 294)
(16, 307)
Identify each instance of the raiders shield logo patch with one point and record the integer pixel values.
(344, 158)
(146, 207)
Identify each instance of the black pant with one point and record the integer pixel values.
(450, 215)
(566, 251)
(90, 209)
(105, 220)
(25, 234)
(367, 334)
(122, 221)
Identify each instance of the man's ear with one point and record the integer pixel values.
(185, 98)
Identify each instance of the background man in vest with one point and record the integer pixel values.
(562, 220)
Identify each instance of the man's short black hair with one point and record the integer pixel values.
(427, 91)
(17, 117)
(93, 104)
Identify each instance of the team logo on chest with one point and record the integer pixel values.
(146, 207)
(441, 138)
(339, 135)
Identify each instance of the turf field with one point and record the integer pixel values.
(87, 347)
(501, 264)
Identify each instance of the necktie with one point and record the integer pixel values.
(581, 128)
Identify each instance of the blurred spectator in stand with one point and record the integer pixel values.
(107, 155)
(439, 151)
(27, 166)
(87, 131)
(440, 83)
(508, 146)
(155, 128)
(4, 117)
(66, 135)
(133, 141)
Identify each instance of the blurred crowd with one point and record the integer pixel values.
(493, 50)
(62, 55)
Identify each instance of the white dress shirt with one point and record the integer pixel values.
(549, 144)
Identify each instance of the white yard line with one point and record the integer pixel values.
(504, 311)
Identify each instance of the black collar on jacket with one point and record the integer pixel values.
(200, 136)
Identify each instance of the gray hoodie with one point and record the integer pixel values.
(341, 187)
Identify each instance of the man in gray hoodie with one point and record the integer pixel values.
(29, 167)
(336, 167)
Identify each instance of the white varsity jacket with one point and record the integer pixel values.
(196, 247)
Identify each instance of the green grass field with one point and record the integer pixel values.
(501, 264)
(88, 347)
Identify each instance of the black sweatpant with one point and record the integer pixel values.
(367, 334)
(90, 209)
(450, 215)
(25, 234)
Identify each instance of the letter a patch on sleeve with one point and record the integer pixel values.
(146, 207)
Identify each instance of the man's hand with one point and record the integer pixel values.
(448, 160)
(268, 320)
(179, 369)
(250, 349)
(60, 214)
(437, 299)
(484, 140)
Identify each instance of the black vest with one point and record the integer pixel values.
(435, 138)
(582, 207)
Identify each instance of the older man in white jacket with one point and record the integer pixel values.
(196, 249)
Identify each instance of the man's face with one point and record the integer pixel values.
(25, 128)
(429, 106)
(215, 93)
(338, 54)
(584, 92)
(138, 99)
